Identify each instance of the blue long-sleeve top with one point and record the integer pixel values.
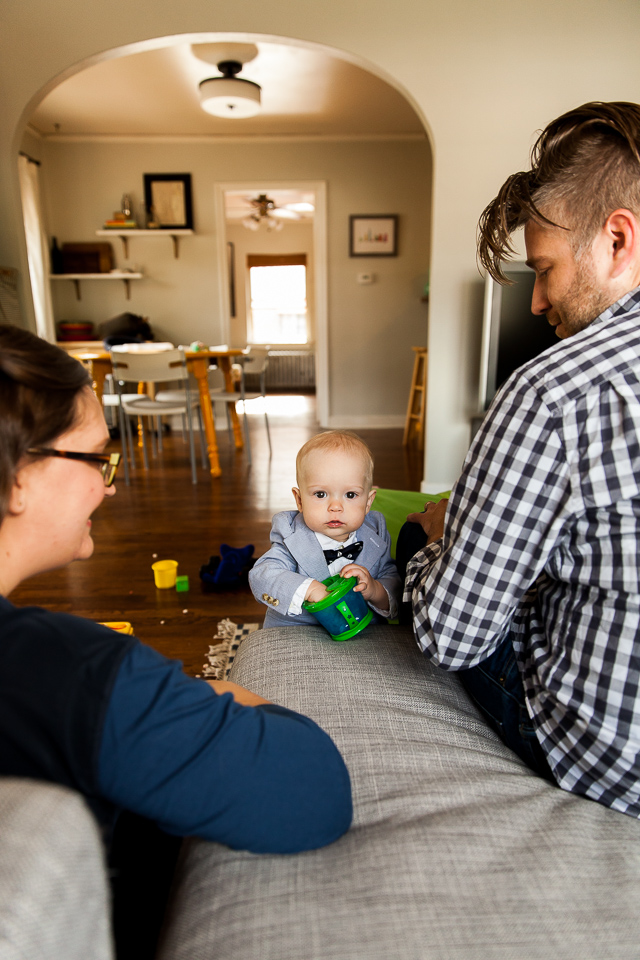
(106, 715)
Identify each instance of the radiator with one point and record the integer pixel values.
(291, 370)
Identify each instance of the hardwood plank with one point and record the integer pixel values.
(162, 513)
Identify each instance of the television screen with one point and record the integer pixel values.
(511, 334)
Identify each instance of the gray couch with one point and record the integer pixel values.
(457, 850)
(54, 901)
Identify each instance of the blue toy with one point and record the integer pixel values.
(230, 569)
(343, 613)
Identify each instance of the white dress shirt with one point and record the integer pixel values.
(327, 543)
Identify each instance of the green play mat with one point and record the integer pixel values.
(394, 505)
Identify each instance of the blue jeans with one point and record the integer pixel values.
(496, 688)
(495, 684)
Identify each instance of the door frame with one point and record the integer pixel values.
(320, 305)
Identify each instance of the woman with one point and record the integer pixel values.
(102, 713)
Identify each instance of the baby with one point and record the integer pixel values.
(332, 528)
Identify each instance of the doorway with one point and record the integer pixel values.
(324, 116)
(303, 238)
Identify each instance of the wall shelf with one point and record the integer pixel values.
(125, 234)
(114, 275)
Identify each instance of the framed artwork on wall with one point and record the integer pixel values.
(167, 199)
(373, 235)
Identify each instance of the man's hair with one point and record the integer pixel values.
(39, 387)
(343, 440)
(584, 165)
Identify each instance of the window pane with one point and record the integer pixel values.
(278, 304)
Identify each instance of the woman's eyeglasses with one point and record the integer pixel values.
(108, 462)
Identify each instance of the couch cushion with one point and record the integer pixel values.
(54, 896)
(457, 850)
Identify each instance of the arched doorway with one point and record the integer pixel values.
(102, 129)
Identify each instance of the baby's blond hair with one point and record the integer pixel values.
(343, 440)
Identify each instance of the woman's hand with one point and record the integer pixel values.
(431, 519)
(240, 694)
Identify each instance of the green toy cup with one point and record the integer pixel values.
(343, 613)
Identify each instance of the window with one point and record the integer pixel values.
(278, 292)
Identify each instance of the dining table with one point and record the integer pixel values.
(198, 363)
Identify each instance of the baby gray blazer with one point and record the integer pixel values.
(295, 555)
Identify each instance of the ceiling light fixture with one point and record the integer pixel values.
(230, 95)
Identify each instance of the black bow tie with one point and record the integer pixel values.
(349, 553)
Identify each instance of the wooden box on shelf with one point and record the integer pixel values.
(87, 258)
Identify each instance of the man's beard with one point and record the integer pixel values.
(582, 303)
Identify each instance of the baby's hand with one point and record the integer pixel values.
(366, 584)
(316, 592)
(372, 590)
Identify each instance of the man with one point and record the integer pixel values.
(530, 584)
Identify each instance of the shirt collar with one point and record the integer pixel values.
(623, 306)
(328, 543)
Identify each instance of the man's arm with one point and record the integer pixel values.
(502, 521)
(431, 519)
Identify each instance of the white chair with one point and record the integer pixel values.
(153, 367)
(255, 362)
(178, 395)
(111, 401)
(111, 397)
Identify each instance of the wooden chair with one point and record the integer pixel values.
(416, 409)
(256, 362)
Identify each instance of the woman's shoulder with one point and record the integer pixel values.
(57, 637)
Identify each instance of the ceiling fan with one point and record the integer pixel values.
(265, 210)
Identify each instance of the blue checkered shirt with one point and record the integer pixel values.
(541, 546)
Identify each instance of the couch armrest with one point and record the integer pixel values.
(54, 897)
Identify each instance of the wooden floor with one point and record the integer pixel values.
(162, 513)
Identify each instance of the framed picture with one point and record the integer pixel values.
(167, 198)
(373, 235)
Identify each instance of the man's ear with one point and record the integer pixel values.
(298, 498)
(621, 234)
(371, 498)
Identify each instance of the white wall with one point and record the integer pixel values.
(371, 329)
(484, 75)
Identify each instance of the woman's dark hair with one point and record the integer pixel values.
(39, 386)
(584, 165)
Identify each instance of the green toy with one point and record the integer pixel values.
(343, 613)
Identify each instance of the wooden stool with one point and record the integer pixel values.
(414, 424)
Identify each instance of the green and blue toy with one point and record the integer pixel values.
(343, 613)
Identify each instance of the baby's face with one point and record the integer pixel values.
(333, 495)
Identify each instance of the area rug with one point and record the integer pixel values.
(221, 656)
